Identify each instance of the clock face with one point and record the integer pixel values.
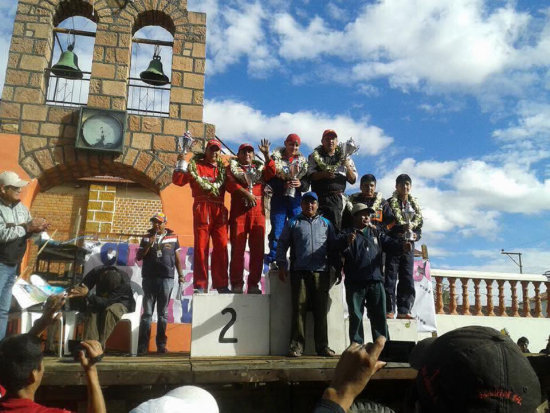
(102, 131)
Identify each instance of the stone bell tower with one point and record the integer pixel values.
(48, 132)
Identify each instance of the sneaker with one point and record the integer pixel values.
(294, 352)
(223, 290)
(326, 352)
(162, 350)
(405, 317)
(273, 266)
(390, 316)
(237, 290)
(199, 291)
(142, 352)
(253, 289)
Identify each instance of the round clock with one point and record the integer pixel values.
(101, 130)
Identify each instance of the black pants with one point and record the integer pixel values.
(309, 287)
(331, 206)
(399, 270)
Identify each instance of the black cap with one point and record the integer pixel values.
(474, 369)
(402, 179)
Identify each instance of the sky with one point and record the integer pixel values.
(454, 93)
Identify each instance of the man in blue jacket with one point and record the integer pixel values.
(311, 240)
(361, 246)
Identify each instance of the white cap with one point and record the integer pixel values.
(10, 178)
(188, 399)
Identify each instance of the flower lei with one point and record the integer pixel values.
(322, 164)
(238, 172)
(277, 157)
(396, 208)
(205, 184)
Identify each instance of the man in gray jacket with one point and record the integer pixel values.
(311, 240)
(16, 226)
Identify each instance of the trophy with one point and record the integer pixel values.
(348, 148)
(249, 176)
(408, 214)
(183, 144)
(293, 171)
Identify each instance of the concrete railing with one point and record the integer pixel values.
(483, 285)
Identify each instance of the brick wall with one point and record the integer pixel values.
(132, 215)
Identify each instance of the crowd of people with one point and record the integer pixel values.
(327, 234)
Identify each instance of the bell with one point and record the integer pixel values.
(154, 75)
(67, 66)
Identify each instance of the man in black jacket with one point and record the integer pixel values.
(112, 299)
(361, 247)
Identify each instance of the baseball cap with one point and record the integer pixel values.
(293, 138)
(360, 207)
(474, 369)
(246, 146)
(160, 217)
(10, 178)
(312, 195)
(190, 399)
(330, 132)
(214, 142)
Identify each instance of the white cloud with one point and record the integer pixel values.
(237, 121)
(533, 122)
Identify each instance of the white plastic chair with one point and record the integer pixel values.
(133, 318)
(28, 318)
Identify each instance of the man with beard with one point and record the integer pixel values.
(329, 172)
(206, 175)
(245, 182)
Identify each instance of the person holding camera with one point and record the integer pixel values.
(22, 367)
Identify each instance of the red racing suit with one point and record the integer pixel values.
(247, 222)
(209, 221)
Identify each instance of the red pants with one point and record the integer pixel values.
(245, 224)
(210, 220)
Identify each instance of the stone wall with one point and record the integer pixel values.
(48, 132)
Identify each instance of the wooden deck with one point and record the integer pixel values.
(180, 369)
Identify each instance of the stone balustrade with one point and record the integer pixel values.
(498, 288)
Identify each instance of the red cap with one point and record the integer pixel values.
(293, 138)
(246, 146)
(214, 142)
(329, 132)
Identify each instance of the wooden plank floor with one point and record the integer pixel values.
(179, 369)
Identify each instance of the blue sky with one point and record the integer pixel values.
(452, 92)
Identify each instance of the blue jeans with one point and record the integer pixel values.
(7, 279)
(282, 209)
(156, 290)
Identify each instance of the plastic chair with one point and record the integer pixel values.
(29, 317)
(133, 318)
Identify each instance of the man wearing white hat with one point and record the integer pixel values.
(16, 226)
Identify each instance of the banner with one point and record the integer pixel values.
(423, 309)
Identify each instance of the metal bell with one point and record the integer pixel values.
(67, 66)
(154, 75)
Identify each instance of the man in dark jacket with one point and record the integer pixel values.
(159, 252)
(112, 299)
(361, 247)
(311, 240)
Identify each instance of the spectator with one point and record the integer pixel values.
(473, 369)
(546, 350)
(312, 244)
(22, 368)
(112, 299)
(16, 226)
(159, 252)
(523, 344)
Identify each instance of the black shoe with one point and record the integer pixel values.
(223, 290)
(294, 352)
(162, 350)
(326, 352)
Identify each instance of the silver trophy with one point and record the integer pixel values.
(183, 145)
(249, 176)
(408, 214)
(293, 171)
(348, 148)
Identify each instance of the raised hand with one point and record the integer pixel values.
(264, 147)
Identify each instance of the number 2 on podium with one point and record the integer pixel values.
(222, 338)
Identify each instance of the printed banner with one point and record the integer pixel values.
(423, 309)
